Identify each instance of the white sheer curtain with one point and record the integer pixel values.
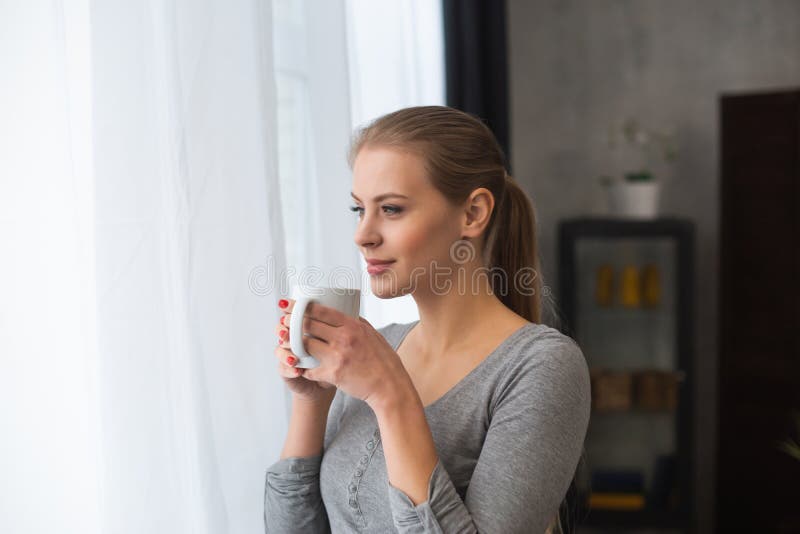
(160, 167)
(314, 115)
(138, 197)
(396, 51)
(312, 82)
(339, 64)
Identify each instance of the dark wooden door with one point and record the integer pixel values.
(758, 485)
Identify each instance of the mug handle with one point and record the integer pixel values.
(296, 339)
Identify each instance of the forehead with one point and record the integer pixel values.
(380, 170)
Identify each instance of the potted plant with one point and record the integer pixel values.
(637, 193)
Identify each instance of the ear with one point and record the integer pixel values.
(477, 212)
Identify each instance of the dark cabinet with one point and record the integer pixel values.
(758, 484)
(626, 289)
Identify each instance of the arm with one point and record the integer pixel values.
(292, 499)
(529, 456)
(306, 428)
(407, 440)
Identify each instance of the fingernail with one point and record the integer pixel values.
(283, 334)
(283, 303)
(290, 360)
(282, 318)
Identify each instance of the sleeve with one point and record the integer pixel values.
(532, 448)
(292, 498)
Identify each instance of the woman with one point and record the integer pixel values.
(471, 419)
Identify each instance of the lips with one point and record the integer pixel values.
(376, 267)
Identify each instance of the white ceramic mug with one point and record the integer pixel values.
(347, 301)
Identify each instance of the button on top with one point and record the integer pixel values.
(364, 460)
(370, 445)
(353, 503)
(359, 472)
(352, 487)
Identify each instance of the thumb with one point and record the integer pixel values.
(312, 374)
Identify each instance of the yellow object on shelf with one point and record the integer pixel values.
(630, 295)
(616, 501)
(651, 285)
(604, 285)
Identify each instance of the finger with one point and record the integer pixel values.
(289, 307)
(325, 314)
(286, 356)
(282, 335)
(286, 318)
(287, 360)
(282, 355)
(317, 348)
(317, 374)
(289, 372)
(318, 329)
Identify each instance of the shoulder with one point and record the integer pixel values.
(543, 347)
(546, 364)
(393, 332)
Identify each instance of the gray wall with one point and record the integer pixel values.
(577, 67)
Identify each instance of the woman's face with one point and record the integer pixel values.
(415, 232)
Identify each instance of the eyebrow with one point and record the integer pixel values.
(380, 197)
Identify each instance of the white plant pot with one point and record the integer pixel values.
(634, 199)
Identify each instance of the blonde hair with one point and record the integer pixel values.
(461, 154)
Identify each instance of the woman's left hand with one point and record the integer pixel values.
(353, 356)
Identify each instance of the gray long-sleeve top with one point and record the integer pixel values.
(508, 436)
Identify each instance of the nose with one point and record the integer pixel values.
(366, 234)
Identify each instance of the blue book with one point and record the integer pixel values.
(617, 481)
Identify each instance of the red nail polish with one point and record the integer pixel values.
(282, 334)
(282, 318)
(283, 303)
(290, 360)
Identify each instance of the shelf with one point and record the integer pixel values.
(627, 295)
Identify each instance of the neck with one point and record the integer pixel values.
(450, 320)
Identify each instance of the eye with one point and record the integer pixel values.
(392, 209)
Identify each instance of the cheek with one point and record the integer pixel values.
(426, 243)
(415, 241)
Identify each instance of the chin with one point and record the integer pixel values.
(387, 286)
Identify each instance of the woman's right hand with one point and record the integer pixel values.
(301, 387)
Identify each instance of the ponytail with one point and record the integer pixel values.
(513, 251)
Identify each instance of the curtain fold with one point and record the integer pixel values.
(140, 195)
